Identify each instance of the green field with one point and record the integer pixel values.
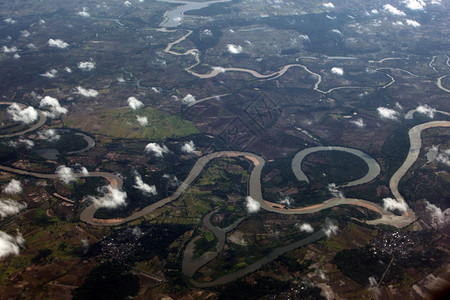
(121, 123)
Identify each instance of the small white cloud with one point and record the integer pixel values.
(387, 113)
(27, 115)
(13, 187)
(304, 37)
(188, 147)
(41, 22)
(10, 245)
(134, 103)
(68, 70)
(55, 109)
(84, 171)
(436, 213)
(219, 69)
(393, 205)
(28, 143)
(330, 227)
(144, 187)
(358, 123)
(374, 11)
(393, 10)
(25, 33)
(426, 110)
(397, 23)
(412, 23)
(337, 71)
(84, 13)
(306, 227)
(31, 46)
(9, 21)
(111, 198)
(13, 49)
(16, 56)
(336, 31)
(65, 174)
(234, 49)
(415, 4)
(188, 99)
(333, 190)
(252, 205)
(86, 65)
(143, 121)
(9, 207)
(127, 3)
(328, 5)
(49, 135)
(49, 74)
(156, 149)
(86, 92)
(286, 200)
(57, 43)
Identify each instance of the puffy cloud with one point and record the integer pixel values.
(337, 71)
(443, 157)
(127, 3)
(28, 143)
(306, 227)
(336, 31)
(328, 5)
(398, 23)
(65, 174)
(9, 21)
(393, 10)
(358, 123)
(16, 56)
(234, 49)
(10, 245)
(188, 147)
(436, 213)
(55, 109)
(330, 227)
(86, 65)
(13, 187)
(41, 22)
(426, 110)
(415, 4)
(172, 180)
(31, 46)
(49, 135)
(134, 103)
(287, 201)
(27, 115)
(68, 70)
(9, 207)
(387, 113)
(333, 190)
(304, 37)
(143, 121)
(13, 49)
(83, 171)
(252, 205)
(393, 205)
(412, 23)
(49, 74)
(144, 187)
(25, 33)
(112, 198)
(156, 149)
(219, 69)
(86, 92)
(57, 43)
(84, 13)
(188, 99)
